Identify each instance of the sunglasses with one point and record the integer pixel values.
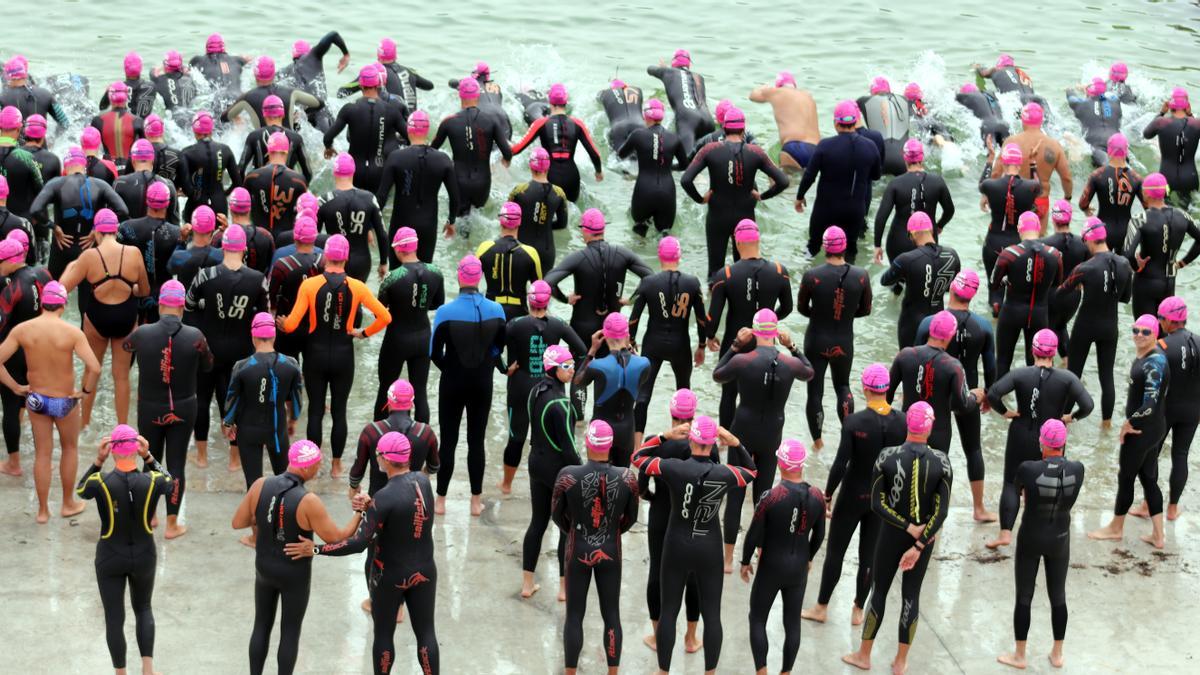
(845, 119)
(1144, 332)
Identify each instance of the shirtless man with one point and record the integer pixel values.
(796, 118)
(1049, 154)
(50, 345)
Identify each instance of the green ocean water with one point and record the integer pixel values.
(833, 50)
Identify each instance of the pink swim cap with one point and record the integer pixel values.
(846, 113)
(10, 119)
(919, 418)
(1097, 87)
(300, 48)
(681, 59)
(877, 378)
(745, 231)
(54, 294)
(481, 68)
(880, 85)
(204, 220)
(653, 110)
(153, 126)
(704, 431)
(834, 240)
(89, 139)
(158, 196)
(510, 215)
(172, 294)
(173, 62)
(785, 79)
(539, 161)
(914, 151)
(617, 84)
(557, 356)
(968, 89)
(35, 127)
(965, 284)
(106, 221)
(337, 248)
(133, 66)
(470, 271)
(1179, 99)
(142, 151)
(1155, 186)
(943, 326)
(123, 440)
(1094, 230)
(1060, 213)
(343, 164)
(11, 250)
(418, 122)
(4, 190)
(1118, 72)
(1118, 145)
(723, 107)
(919, 222)
(616, 326)
(1173, 308)
(1029, 222)
(400, 395)
(912, 92)
(239, 200)
(599, 437)
(215, 44)
(1045, 343)
(16, 69)
(394, 447)
(304, 454)
(669, 250)
(1147, 321)
(765, 323)
(368, 77)
(264, 69)
(791, 455)
(735, 119)
(305, 230)
(386, 50)
(557, 94)
(1032, 114)
(1005, 61)
(233, 239)
(20, 237)
(683, 404)
(406, 240)
(74, 157)
(468, 89)
(273, 106)
(538, 296)
(592, 221)
(1053, 434)
(1011, 155)
(262, 326)
(202, 123)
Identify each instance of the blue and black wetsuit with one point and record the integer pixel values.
(1145, 411)
(260, 389)
(1100, 117)
(619, 378)
(76, 198)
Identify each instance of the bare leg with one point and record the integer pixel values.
(68, 462)
(336, 470)
(900, 665)
(202, 454)
(1111, 532)
(1056, 655)
(505, 485)
(528, 587)
(174, 529)
(562, 589)
(691, 643)
(477, 506)
(982, 515)
(1004, 539)
(650, 640)
(1142, 510)
(818, 444)
(729, 558)
(99, 346)
(43, 448)
(148, 666)
(856, 615)
(235, 460)
(1156, 538)
(1172, 509)
(121, 363)
(1016, 659)
(439, 505)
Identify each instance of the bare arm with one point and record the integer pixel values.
(244, 516)
(91, 365)
(313, 510)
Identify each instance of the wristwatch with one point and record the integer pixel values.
(316, 550)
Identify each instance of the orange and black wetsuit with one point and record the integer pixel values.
(559, 135)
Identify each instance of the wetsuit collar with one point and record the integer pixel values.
(881, 406)
(169, 320)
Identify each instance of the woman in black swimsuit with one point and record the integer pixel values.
(117, 276)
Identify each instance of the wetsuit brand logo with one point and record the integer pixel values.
(420, 516)
(686, 94)
(414, 579)
(594, 558)
(709, 506)
(357, 220)
(897, 491)
(165, 366)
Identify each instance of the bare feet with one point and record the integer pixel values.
(174, 531)
(72, 508)
(856, 616)
(1106, 533)
(505, 488)
(691, 645)
(247, 540)
(1106, 425)
(11, 468)
(651, 642)
(818, 444)
(154, 523)
(202, 459)
(1141, 510)
(400, 614)
(43, 516)
(1056, 660)
(234, 466)
(562, 589)
(899, 666)
(1004, 539)
(439, 505)
(366, 605)
(528, 591)
(336, 470)
(858, 660)
(1014, 660)
(1173, 511)
(1155, 540)
(818, 613)
(984, 516)
(476, 505)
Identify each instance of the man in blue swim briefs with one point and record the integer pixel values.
(796, 118)
(50, 345)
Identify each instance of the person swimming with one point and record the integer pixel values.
(887, 113)
(686, 94)
(1099, 113)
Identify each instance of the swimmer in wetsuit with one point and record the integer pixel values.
(21, 93)
(174, 86)
(1050, 486)
(168, 161)
(984, 106)
(252, 102)
(491, 99)
(354, 213)
(1118, 72)
(832, 295)
(925, 126)
(260, 244)
(256, 151)
(98, 165)
(1156, 236)
(687, 96)
(718, 134)
(17, 165)
(1182, 349)
(185, 264)
(1064, 304)
(20, 301)
(619, 377)
(1099, 113)
(658, 152)
(543, 208)
(119, 127)
(1007, 196)
(274, 190)
(1115, 186)
(133, 187)
(795, 119)
(559, 134)
(509, 266)
(1046, 157)
(916, 190)
(374, 129)
(222, 71)
(846, 163)
(1007, 77)
(398, 409)
(887, 113)
(1178, 134)
(207, 164)
(472, 133)
(419, 172)
(1020, 289)
(307, 69)
(401, 81)
(622, 105)
(925, 273)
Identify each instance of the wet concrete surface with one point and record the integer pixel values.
(1129, 605)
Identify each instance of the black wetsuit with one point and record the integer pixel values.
(746, 286)
(33, 100)
(1158, 234)
(283, 285)
(1177, 141)
(692, 545)
(125, 552)
(141, 97)
(260, 246)
(467, 339)
(1106, 279)
(1063, 304)
(551, 448)
(930, 374)
(925, 273)
(543, 210)
(419, 172)
(620, 379)
(598, 272)
(887, 114)
(404, 82)
(206, 164)
(526, 339)
(864, 435)
(274, 192)
(409, 292)
(789, 526)
(398, 528)
(102, 168)
(986, 108)
(177, 90)
(24, 176)
(1007, 197)
(1115, 189)
(491, 104)
(656, 527)
(473, 133)
(1100, 118)
(377, 128)
(48, 163)
(509, 267)
(169, 356)
(909, 485)
(686, 94)
(308, 71)
(669, 296)
(170, 164)
(252, 102)
(1042, 394)
(254, 152)
(20, 301)
(260, 386)
(76, 199)
(279, 580)
(1019, 294)
(764, 377)
(559, 134)
(132, 188)
(905, 195)
(223, 72)
(658, 152)
(1182, 414)
(1051, 487)
(847, 163)
(732, 167)
(423, 454)
(355, 215)
(594, 504)
(832, 297)
(623, 108)
(185, 264)
(1145, 411)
